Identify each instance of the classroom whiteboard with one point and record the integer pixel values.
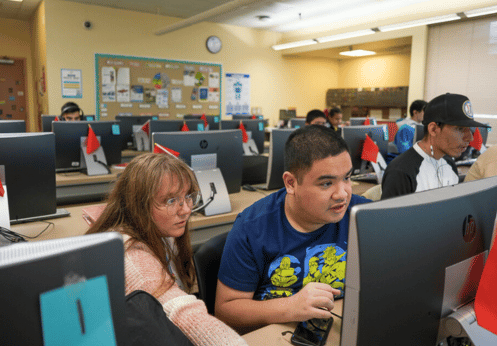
(130, 85)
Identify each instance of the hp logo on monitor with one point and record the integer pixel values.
(204, 144)
(469, 229)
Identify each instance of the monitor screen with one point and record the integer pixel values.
(419, 132)
(246, 117)
(33, 269)
(296, 123)
(275, 167)
(127, 122)
(28, 164)
(212, 120)
(174, 126)
(354, 136)
(46, 121)
(12, 126)
(68, 142)
(256, 127)
(227, 145)
(355, 121)
(404, 262)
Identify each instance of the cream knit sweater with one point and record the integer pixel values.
(144, 272)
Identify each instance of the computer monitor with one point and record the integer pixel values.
(68, 142)
(33, 270)
(212, 120)
(227, 145)
(355, 136)
(127, 122)
(419, 132)
(27, 167)
(12, 126)
(46, 121)
(174, 126)
(296, 123)
(404, 272)
(246, 116)
(276, 166)
(256, 127)
(355, 121)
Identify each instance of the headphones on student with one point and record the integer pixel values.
(71, 107)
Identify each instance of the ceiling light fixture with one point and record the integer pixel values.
(414, 23)
(357, 52)
(481, 11)
(294, 44)
(345, 35)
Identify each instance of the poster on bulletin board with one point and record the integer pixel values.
(237, 93)
(72, 83)
(129, 85)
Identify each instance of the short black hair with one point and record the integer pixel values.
(333, 111)
(308, 144)
(70, 107)
(417, 105)
(315, 113)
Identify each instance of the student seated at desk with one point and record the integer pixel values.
(429, 164)
(315, 117)
(292, 244)
(150, 205)
(70, 111)
(335, 117)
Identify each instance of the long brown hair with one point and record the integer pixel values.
(129, 210)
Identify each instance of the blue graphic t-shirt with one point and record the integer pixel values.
(266, 255)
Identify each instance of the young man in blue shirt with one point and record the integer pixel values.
(292, 244)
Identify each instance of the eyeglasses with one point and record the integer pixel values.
(172, 204)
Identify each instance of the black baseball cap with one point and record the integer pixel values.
(451, 109)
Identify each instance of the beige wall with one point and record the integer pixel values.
(276, 82)
(15, 42)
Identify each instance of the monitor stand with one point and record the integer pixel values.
(211, 183)
(462, 323)
(60, 212)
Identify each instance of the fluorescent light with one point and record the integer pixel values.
(481, 11)
(426, 21)
(15, 0)
(294, 44)
(345, 35)
(357, 52)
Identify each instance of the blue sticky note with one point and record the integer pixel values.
(116, 130)
(89, 118)
(216, 119)
(155, 118)
(78, 315)
(297, 126)
(200, 127)
(261, 126)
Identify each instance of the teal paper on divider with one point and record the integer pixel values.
(78, 314)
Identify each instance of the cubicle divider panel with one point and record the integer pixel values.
(129, 85)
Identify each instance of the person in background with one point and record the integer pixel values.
(417, 112)
(150, 206)
(315, 117)
(284, 259)
(335, 117)
(70, 111)
(429, 164)
(485, 165)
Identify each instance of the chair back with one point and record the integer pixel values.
(207, 260)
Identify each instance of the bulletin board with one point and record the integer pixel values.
(129, 85)
(368, 97)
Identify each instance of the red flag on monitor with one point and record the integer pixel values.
(370, 150)
(244, 133)
(254, 117)
(204, 118)
(56, 119)
(159, 149)
(2, 191)
(146, 127)
(477, 141)
(185, 127)
(367, 122)
(486, 299)
(92, 142)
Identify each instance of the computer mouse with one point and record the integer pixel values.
(248, 187)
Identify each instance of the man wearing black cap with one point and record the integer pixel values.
(429, 163)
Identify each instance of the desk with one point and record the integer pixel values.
(271, 335)
(77, 187)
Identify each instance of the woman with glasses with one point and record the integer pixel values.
(150, 205)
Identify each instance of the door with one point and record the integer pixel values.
(12, 90)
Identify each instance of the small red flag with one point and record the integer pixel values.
(56, 119)
(370, 150)
(367, 122)
(486, 300)
(244, 133)
(204, 118)
(254, 117)
(92, 142)
(326, 112)
(146, 127)
(2, 191)
(477, 141)
(159, 149)
(185, 127)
